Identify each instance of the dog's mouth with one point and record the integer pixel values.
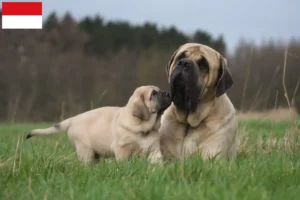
(185, 91)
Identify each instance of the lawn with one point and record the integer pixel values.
(46, 167)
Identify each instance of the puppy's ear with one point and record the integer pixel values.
(224, 80)
(170, 62)
(140, 110)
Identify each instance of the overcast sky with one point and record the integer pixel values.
(252, 19)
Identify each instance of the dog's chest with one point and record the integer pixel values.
(149, 139)
(144, 141)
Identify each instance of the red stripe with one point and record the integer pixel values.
(21, 8)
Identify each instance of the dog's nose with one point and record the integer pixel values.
(166, 95)
(185, 63)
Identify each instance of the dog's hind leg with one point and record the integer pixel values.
(85, 153)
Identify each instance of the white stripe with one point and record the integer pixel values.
(22, 22)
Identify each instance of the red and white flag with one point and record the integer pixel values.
(22, 15)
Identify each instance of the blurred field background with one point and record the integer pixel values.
(74, 65)
(79, 63)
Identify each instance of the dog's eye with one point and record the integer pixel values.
(203, 64)
(181, 56)
(154, 92)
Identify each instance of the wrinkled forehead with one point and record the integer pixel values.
(150, 88)
(197, 51)
(156, 88)
(147, 89)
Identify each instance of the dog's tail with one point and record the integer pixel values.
(57, 128)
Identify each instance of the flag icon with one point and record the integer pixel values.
(22, 15)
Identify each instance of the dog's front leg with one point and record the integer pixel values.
(155, 157)
(122, 153)
(171, 139)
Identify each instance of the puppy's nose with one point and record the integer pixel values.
(185, 63)
(166, 94)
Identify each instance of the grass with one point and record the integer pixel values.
(47, 168)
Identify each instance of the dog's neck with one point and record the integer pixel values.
(193, 119)
(136, 125)
(204, 109)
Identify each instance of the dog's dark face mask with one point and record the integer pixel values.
(197, 73)
(186, 84)
(163, 100)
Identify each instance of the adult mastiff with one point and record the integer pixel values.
(201, 119)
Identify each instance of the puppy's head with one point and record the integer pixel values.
(149, 100)
(196, 72)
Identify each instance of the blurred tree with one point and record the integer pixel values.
(68, 66)
(71, 37)
(202, 37)
(219, 44)
(146, 35)
(51, 22)
(90, 25)
(171, 38)
(207, 39)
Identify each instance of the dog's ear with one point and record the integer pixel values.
(224, 80)
(170, 62)
(140, 110)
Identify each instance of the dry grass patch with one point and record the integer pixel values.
(276, 115)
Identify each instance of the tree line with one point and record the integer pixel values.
(72, 66)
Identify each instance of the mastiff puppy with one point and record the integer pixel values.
(201, 119)
(117, 131)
